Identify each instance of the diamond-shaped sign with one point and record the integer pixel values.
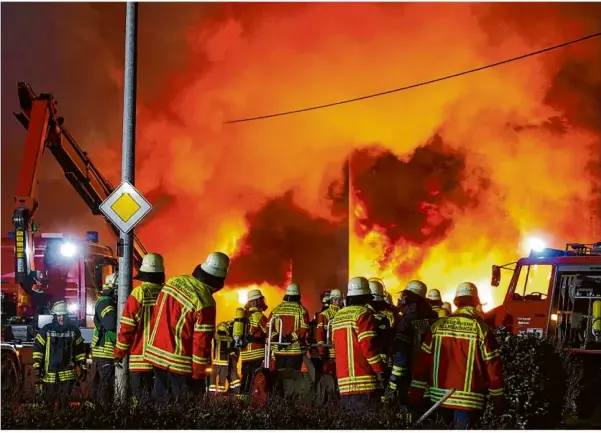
(125, 207)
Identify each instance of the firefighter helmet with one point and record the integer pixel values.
(377, 289)
(434, 295)
(110, 281)
(254, 294)
(358, 286)
(466, 289)
(152, 263)
(447, 306)
(335, 294)
(293, 289)
(60, 308)
(388, 298)
(417, 287)
(216, 264)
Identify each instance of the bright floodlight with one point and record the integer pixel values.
(72, 308)
(535, 244)
(243, 297)
(68, 249)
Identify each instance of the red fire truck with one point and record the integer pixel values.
(557, 294)
(39, 269)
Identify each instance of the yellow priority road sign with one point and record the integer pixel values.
(125, 207)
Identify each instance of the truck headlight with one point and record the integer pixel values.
(68, 249)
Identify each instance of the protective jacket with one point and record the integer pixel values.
(57, 350)
(357, 359)
(321, 333)
(460, 352)
(256, 335)
(105, 328)
(438, 310)
(223, 344)
(135, 326)
(182, 327)
(295, 325)
(385, 329)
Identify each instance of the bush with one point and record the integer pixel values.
(542, 383)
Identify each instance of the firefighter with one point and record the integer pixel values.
(446, 310)
(328, 355)
(435, 300)
(103, 341)
(225, 361)
(182, 329)
(415, 321)
(135, 325)
(58, 354)
(384, 323)
(295, 325)
(359, 366)
(460, 352)
(253, 354)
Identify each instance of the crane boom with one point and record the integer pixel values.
(45, 130)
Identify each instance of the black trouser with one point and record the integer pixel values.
(58, 392)
(293, 362)
(461, 419)
(358, 401)
(248, 372)
(221, 374)
(103, 384)
(171, 386)
(141, 384)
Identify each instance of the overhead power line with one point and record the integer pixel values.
(412, 86)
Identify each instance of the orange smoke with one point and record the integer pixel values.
(506, 152)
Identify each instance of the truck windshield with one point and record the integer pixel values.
(533, 282)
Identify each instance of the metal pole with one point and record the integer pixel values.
(128, 167)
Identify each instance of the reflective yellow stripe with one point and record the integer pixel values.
(40, 340)
(128, 321)
(106, 310)
(366, 334)
(122, 346)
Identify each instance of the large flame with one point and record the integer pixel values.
(436, 183)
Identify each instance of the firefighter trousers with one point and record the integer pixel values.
(293, 362)
(461, 419)
(58, 392)
(221, 374)
(170, 386)
(249, 368)
(357, 401)
(141, 384)
(103, 384)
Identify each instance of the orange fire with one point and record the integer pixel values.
(507, 153)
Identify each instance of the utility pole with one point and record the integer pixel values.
(128, 169)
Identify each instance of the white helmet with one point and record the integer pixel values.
(152, 263)
(358, 286)
(216, 265)
(434, 295)
(377, 289)
(417, 287)
(110, 280)
(335, 294)
(60, 308)
(466, 289)
(254, 294)
(293, 289)
(447, 306)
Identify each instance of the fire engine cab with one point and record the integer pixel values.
(554, 293)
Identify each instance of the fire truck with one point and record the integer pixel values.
(39, 268)
(556, 294)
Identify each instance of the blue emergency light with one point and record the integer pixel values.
(547, 253)
(92, 237)
(11, 235)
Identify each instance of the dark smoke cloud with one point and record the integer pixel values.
(282, 233)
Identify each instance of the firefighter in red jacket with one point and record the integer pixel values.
(253, 354)
(135, 324)
(435, 301)
(328, 355)
(359, 366)
(182, 329)
(295, 325)
(460, 352)
(384, 323)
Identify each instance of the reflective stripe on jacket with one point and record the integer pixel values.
(257, 333)
(105, 327)
(182, 327)
(57, 350)
(357, 359)
(460, 352)
(135, 325)
(321, 333)
(295, 324)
